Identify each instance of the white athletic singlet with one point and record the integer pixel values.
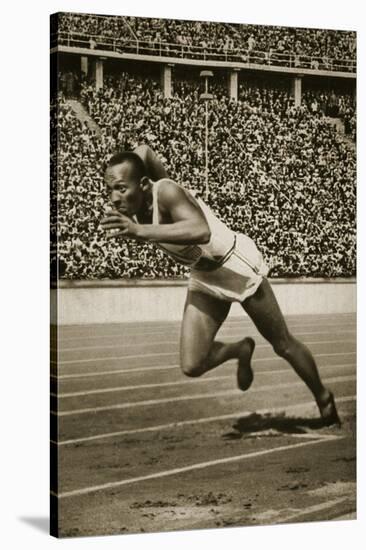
(229, 267)
(204, 257)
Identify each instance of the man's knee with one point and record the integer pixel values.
(283, 346)
(192, 368)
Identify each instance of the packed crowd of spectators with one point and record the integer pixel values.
(289, 46)
(93, 25)
(333, 103)
(280, 174)
(323, 46)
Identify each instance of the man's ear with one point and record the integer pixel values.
(144, 182)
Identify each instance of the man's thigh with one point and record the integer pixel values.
(266, 314)
(203, 316)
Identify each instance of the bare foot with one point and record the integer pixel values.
(245, 373)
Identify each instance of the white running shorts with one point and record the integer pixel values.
(238, 278)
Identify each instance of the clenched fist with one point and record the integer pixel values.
(119, 225)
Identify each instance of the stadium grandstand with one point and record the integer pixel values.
(269, 45)
(272, 148)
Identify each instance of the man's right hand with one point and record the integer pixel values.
(116, 220)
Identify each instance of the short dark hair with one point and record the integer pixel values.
(133, 158)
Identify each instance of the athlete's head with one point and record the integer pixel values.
(126, 179)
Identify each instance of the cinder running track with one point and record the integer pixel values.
(143, 448)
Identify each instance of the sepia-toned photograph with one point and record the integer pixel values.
(203, 274)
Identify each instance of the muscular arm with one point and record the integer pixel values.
(188, 225)
(155, 169)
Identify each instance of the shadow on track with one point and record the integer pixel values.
(254, 424)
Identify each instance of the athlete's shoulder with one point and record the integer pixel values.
(166, 183)
(170, 192)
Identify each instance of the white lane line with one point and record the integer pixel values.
(112, 372)
(175, 366)
(206, 420)
(305, 435)
(350, 515)
(190, 468)
(141, 386)
(334, 327)
(226, 327)
(296, 513)
(181, 382)
(309, 510)
(162, 342)
(166, 353)
(224, 393)
(68, 332)
(117, 358)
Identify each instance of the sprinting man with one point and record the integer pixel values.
(225, 267)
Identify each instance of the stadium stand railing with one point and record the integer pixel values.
(201, 53)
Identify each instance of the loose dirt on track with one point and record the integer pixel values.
(144, 449)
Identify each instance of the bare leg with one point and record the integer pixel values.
(203, 316)
(264, 310)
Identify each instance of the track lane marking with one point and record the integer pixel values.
(160, 342)
(311, 509)
(224, 393)
(191, 467)
(224, 329)
(154, 326)
(180, 382)
(111, 372)
(165, 353)
(206, 420)
(350, 515)
(169, 367)
(289, 514)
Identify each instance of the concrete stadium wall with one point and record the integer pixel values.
(89, 302)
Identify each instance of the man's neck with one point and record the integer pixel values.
(145, 214)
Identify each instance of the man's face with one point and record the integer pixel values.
(125, 188)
